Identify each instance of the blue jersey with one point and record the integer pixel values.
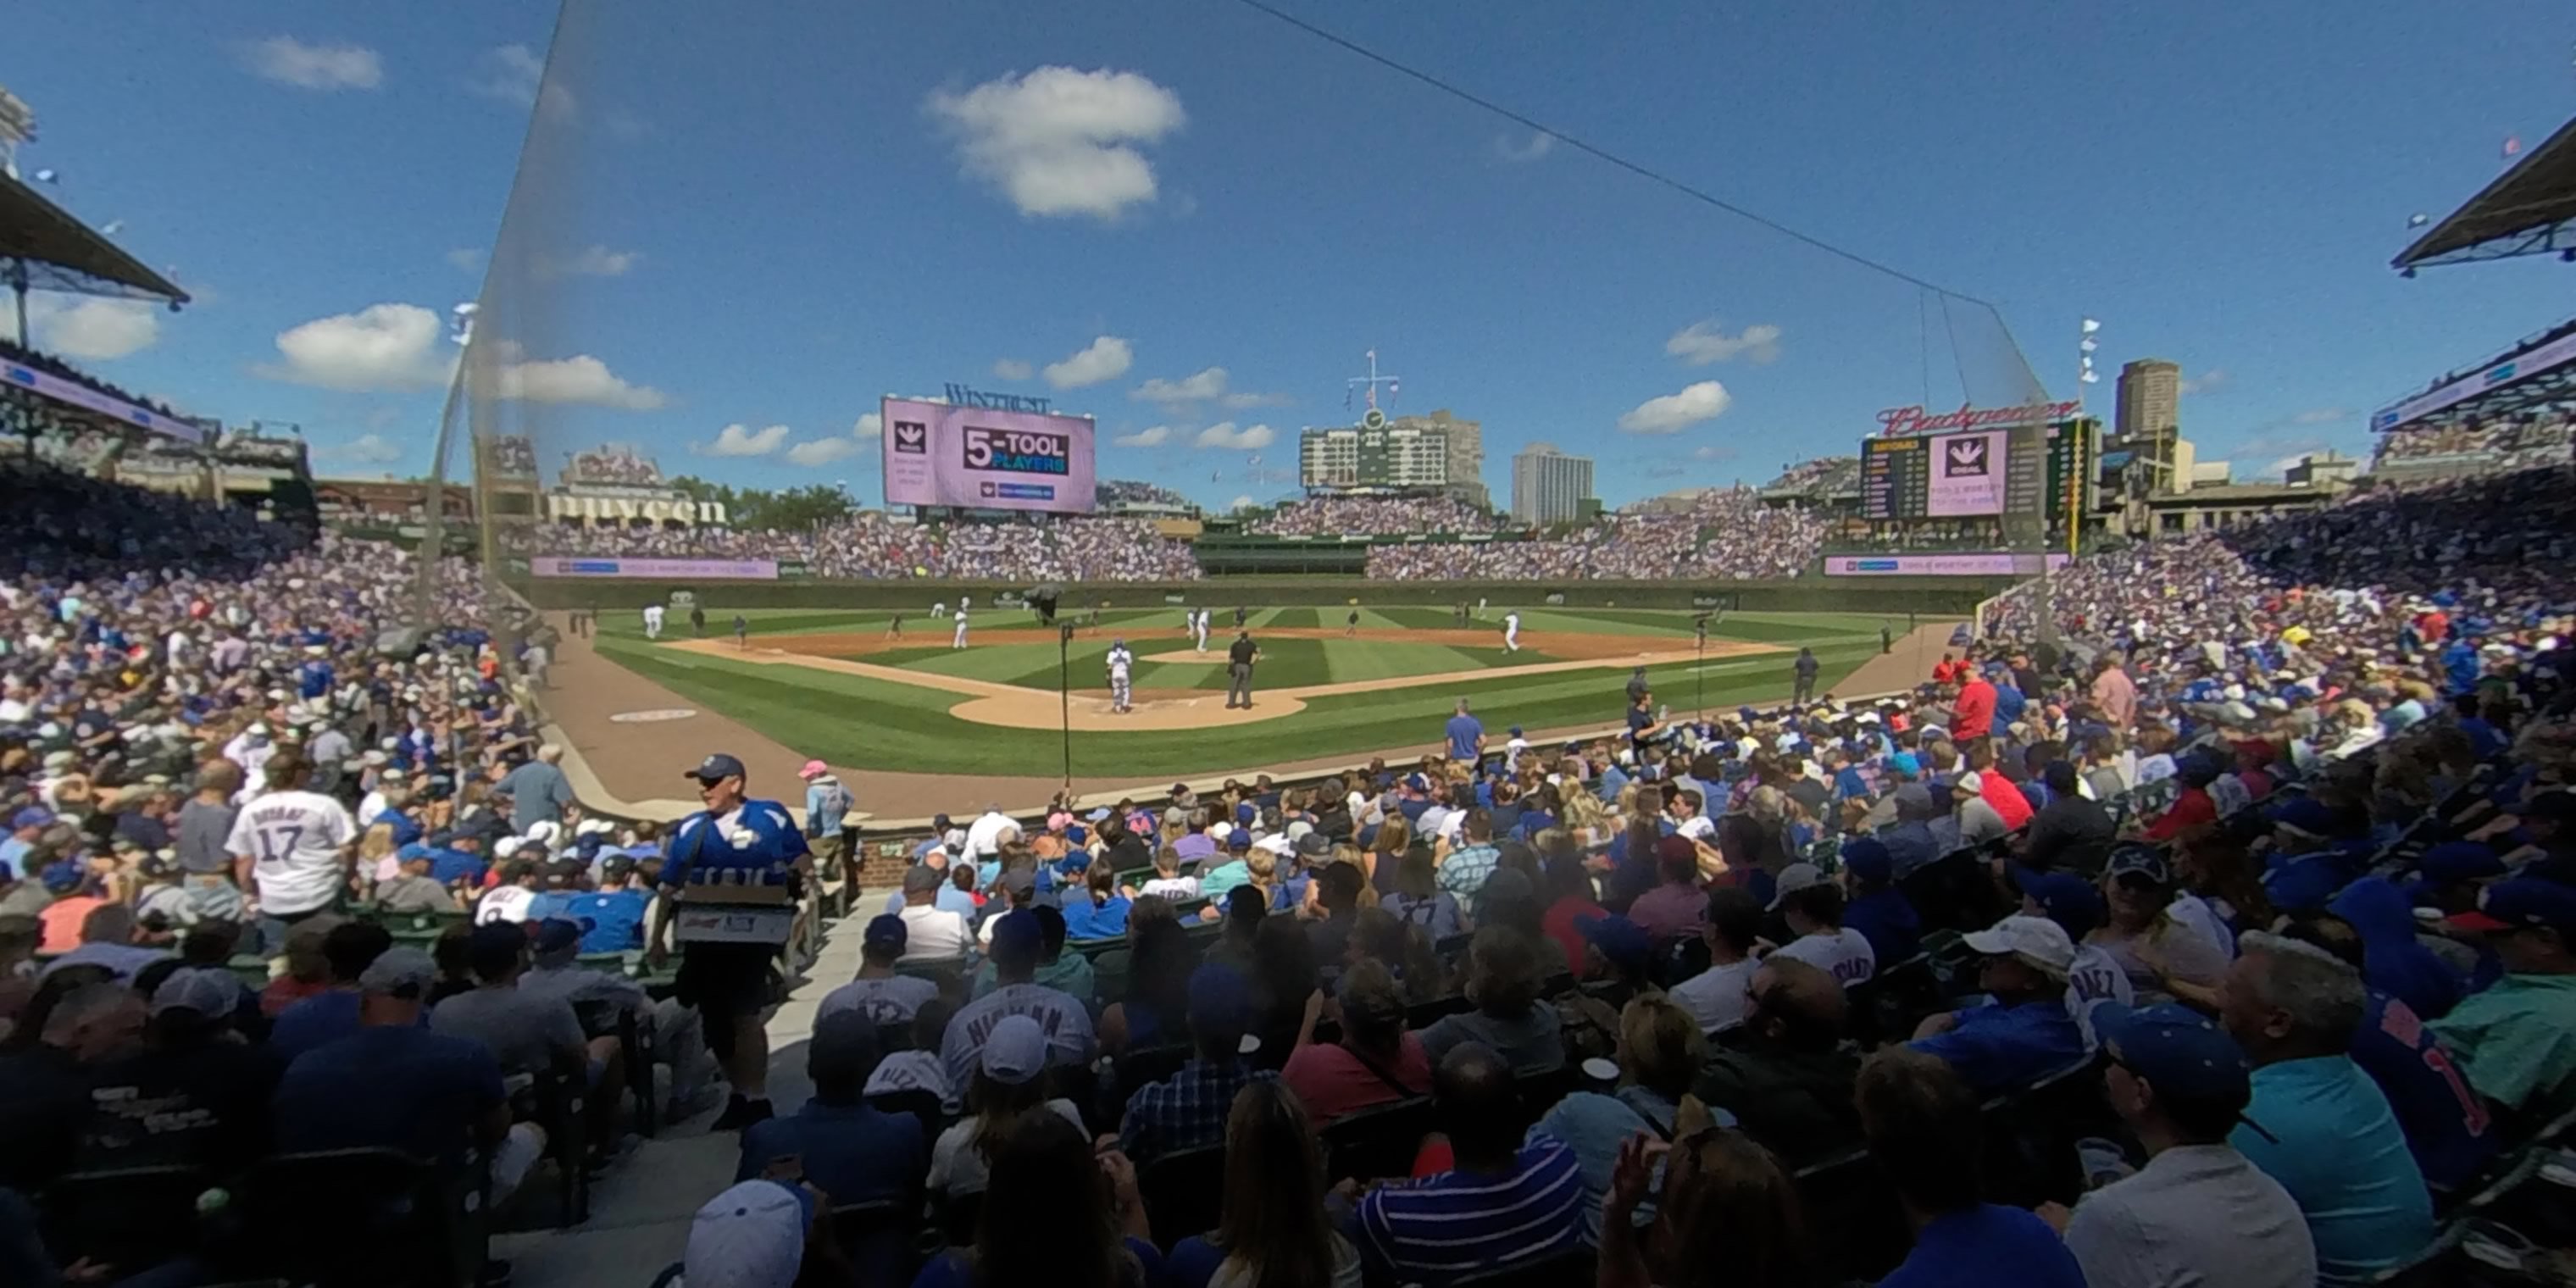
(2446, 1122)
(612, 922)
(762, 843)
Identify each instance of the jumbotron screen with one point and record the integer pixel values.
(1973, 474)
(947, 455)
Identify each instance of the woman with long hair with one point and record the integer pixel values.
(1053, 1214)
(1001, 1095)
(1728, 1215)
(1377, 1062)
(1504, 972)
(1632, 851)
(1586, 818)
(1273, 1234)
(1386, 854)
(1418, 900)
(1283, 977)
(1098, 911)
(1155, 1009)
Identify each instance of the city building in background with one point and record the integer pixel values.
(1549, 486)
(1392, 455)
(2149, 420)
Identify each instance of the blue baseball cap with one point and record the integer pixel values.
(32, 816)
(1868, 859)
(887, 931)
(2141, 860)
(1239, 840)
(2460, 861)
(1620, 940)
(2074, 903)
(1516, 731)
(2520, 903)
(2176, 1049)
(1017, 936)
(557, 935)
(2306, 816)
(714, 767)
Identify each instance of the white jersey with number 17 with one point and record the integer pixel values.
(294, 841)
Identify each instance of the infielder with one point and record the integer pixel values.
(959, 641)
(1199, 628)
(1512, 631)
(894, 628)
(653, 621)
(939, 610)
(1122, 688)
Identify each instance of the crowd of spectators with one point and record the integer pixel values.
(2501, 445)
(1723, 533)
(1822, 477)
(39, 360)
(870, 545)
(1377, 516)
(1117, 492)
(612, 464)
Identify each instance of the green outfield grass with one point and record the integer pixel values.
(872, 724)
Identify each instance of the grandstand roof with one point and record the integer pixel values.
(2528, 210)
(60, 253)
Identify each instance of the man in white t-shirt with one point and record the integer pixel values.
(931, 933)
(884, 996)
(1716, 997)
(292, 848)
(653, 614)
(1017, 943)
(986, 836)
(1813, 907)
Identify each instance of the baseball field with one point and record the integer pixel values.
(843, 687)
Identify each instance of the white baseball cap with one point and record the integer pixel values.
(2036, 940)
(1970, 782)
(750, 1236)
(1796, 876)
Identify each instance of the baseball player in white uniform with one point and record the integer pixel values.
(939, 610)
(1512, 631)
(1199, 627)
(1122, 688)
(960, 640)
(653, 621)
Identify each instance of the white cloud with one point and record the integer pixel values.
(465, 259)
(1671, 413)
(379, 347)
(92, 330)
(870, 426)
(1105, 358)
(516, 74)
(1223, 434)
(821, 451)
(1539, 144)
(1207, 384)
(735, 440)
(1153, 436)
(1059, 141)
(365, 449)
(599, 261)
(1711, 452)
(577, 379)
(1702, 343)
(289, 61)
(1013, 369)
(2206, 382)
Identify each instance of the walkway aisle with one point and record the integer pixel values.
(639, 1213)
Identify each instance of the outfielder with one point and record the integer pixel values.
(1199, 628)
(959, 641)
(1512, 631)
(653, 621)
(1122, 689)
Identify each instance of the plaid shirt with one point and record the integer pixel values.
(1466, 869)
(1186, 1110)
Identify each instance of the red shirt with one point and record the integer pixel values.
(1945, 671)
(2006, 797)
(1330, 1081)
(1557, 923)
(1974, 714)
(2191, 808)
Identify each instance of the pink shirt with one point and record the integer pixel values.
(2116, 696)
(1331, 1082)
(1669, 912)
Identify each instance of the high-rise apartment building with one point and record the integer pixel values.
(2150, 413)
(1549, 486)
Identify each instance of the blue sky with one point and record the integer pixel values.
(759, 216)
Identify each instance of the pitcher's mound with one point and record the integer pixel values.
(1159, 709)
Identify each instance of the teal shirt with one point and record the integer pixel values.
(2517, 1042)
(1223, 877)
(2337, 1149)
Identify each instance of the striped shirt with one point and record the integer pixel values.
(1458, 1223)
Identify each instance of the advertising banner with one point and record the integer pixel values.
(2005, 564)
(1967, 477)
(689, 569)
(984, 459)
(2496, 375)
(183, 428)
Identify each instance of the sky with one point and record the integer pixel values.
(742, 225)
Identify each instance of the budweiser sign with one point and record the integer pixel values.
(1898, 422)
